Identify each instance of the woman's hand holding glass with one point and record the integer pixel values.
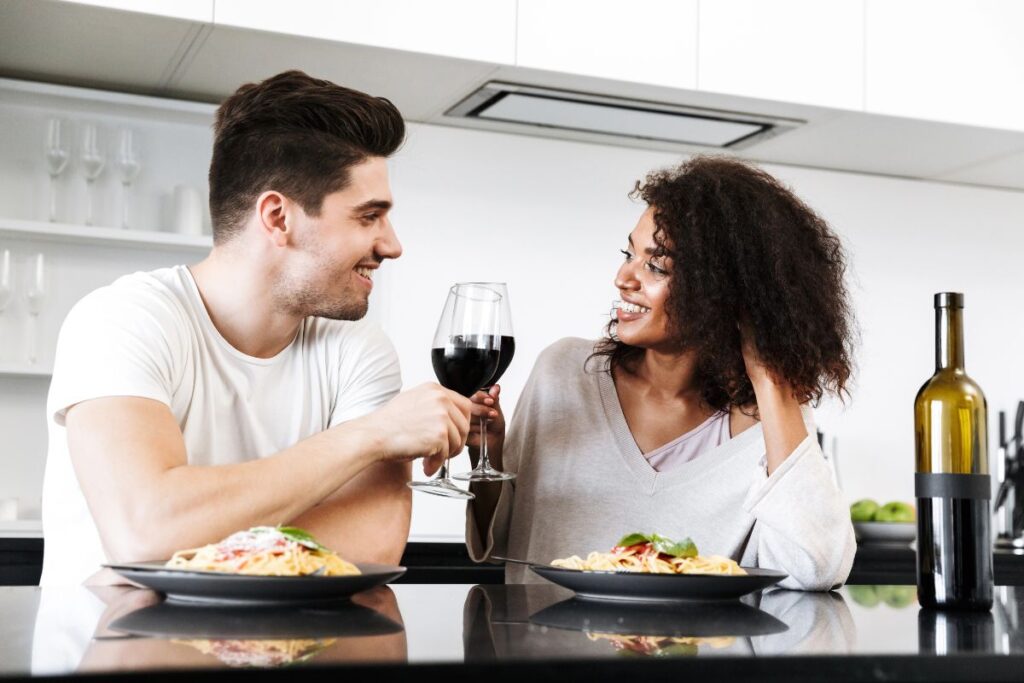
(487, 404)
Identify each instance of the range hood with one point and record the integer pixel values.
(531, 106)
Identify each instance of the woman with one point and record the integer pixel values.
(691, 418)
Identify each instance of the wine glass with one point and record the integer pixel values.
(465, 354)
(483, 471)
(6, 279)
(128, 166)
(35, 294)
(93, 161)
(57, 151)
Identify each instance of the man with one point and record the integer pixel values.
(190, 402)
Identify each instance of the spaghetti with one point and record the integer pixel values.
(661, 645)
(265, 551)
(260, 653)
(652, 554)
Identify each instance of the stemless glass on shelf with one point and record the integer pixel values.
(57, 151)
(483, 471)
(93, 161)
(128, 167)
(465, 355)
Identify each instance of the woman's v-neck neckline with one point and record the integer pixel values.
(633, 457)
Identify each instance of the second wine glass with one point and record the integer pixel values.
(128, 167)
(484, 471)
(93, 161)
(465, 355)
(35, 296)
(57, 152)
(6, 279)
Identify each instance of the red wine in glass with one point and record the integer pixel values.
(466, 365)
(508, 349)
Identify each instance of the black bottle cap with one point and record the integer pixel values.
(949, 300)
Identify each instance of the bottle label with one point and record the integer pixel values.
(944, 485)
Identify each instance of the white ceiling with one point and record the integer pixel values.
(88, 46)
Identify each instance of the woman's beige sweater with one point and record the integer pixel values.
(583, 483)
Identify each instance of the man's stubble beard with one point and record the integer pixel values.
(303, 299)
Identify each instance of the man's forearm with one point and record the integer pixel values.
(367, 519)
(151, 508)
(215, 501)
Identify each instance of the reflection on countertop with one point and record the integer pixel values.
(531, 622)
(79, 630)
(134, 629)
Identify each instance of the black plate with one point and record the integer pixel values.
(182, 585)
(175, 620)
(687, 619)
(645, 587)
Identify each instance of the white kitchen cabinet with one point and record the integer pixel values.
(803, 51)
(949, 60)
(195, 10)
(645, 41)
(173, 145)
(467, 29)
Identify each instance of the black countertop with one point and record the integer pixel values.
(498, 633)
(21, 561)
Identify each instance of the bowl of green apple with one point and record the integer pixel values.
(893, 522)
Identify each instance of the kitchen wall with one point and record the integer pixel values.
(548, 217)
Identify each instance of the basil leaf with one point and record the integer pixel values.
(633, 539)
(684, 548)
(300, 536)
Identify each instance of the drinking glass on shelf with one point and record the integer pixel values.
(128, 166)
(93, 161)
(57, 151)
(465, 354)
(35, 295)
(483, 471)
(6, 279)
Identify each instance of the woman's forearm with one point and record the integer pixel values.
(781, 420)
(487, 494)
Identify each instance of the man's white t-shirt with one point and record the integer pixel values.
(149, 335)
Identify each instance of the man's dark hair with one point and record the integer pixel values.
(297, 135)
(746, 251)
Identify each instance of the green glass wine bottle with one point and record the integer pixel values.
(954, 537)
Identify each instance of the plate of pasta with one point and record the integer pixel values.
(649, 567)
(262, 565)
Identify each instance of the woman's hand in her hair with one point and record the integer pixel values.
(757, 371)
(487, 404)
(779, 409)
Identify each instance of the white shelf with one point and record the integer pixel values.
(21, 528)
(23, 370)
(100, 236)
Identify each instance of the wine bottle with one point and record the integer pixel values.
(954, 537)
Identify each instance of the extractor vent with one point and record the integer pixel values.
(614, 116)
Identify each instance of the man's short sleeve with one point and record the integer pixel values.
(369, 374)
(117, 341)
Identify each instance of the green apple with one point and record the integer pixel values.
(897, 596)
(863, 510)
(895, 512)
(863, 595)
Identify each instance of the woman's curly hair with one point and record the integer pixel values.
(745, 249)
